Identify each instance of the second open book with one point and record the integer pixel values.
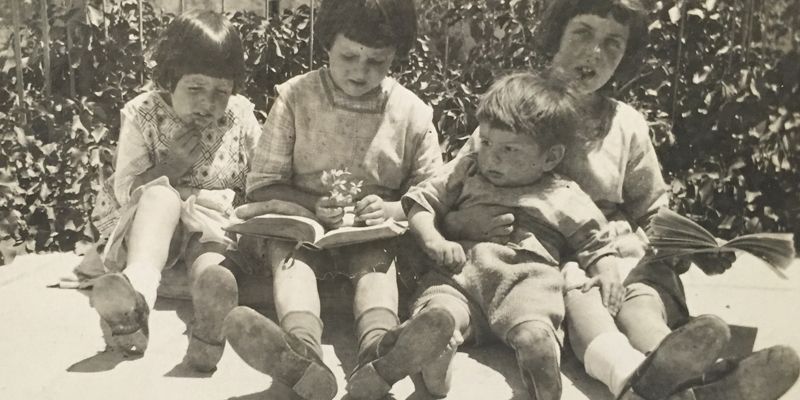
(305, 229)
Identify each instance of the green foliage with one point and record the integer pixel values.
(724, 117)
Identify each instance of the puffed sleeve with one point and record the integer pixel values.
(643, 189)
(133, 154)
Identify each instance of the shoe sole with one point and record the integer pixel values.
(115, 300)
(683, 355)
(275, 357)
(764, 375)
(420, 342)
(549, 384)
(214, 295)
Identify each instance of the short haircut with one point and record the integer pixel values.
(630, 13)
(542, 106)
(373, 23)
(199, 42)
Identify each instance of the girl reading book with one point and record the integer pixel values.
(348, 115)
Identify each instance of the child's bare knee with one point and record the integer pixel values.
(532, 335)
(162, 196)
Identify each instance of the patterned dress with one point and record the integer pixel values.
(149, 126)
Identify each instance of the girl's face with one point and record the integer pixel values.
(590, 50)
(357, 69)
(506, 158)
(200, 99)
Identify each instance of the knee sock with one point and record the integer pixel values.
(611, 359)
(145, 280)
(371, 325)
(305, 326)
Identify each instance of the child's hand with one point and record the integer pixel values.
(607, 278)
(370, 210)
(714, 263)
(455, 341)
(184, 152)
(446, 254)
(329, 212)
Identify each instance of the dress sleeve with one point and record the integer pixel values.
(439, 193)
(252, 133)
(427, 158)
(272, 160)
(584, 226)
(643, 189)
(133, 155)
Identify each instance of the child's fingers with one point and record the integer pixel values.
(588, 285)
(458, 338)
(368, 204)
(605, 291)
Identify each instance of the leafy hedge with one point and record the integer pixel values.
(726, 131)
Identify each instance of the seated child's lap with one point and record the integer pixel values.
(501, 288)
(350, 261)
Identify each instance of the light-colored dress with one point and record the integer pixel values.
(149, 126)
(385, 138)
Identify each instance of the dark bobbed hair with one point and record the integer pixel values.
(540, 105)
(630, 13)
(199, 42)
(373, 23)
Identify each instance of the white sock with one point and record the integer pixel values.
(611, 359)
(145, 279)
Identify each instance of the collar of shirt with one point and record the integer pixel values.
(372, 102)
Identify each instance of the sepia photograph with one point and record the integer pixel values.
(399, 199)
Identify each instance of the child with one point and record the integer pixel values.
(515, 291)
(348, 115)
(183, 151)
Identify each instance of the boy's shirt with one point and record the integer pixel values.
(553, 217)
(620, 170)
(385, 137)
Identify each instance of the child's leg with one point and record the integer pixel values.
(214, 295)
(124, 301)
(643, 317)
(387, 353)
(149, 238)
(610, 358)
(292, 352)
(538, 356)
(437, 374)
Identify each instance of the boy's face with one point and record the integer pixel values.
(590, 50)
(506, 158)
(356, 69)
(200, 99)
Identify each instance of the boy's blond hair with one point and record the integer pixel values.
(539, 105)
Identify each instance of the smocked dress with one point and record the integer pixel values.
(149, 126)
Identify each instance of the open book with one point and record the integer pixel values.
(311, 234)
(675, 235)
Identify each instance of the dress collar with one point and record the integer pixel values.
(372, 102)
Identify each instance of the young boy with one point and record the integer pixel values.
(515, 291)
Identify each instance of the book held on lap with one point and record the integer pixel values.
(311, 234)
(674, 235)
